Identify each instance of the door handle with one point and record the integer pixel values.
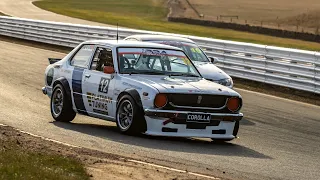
(87, 75)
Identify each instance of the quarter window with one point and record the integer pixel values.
(83, 56)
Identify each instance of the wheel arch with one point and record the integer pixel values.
(64, 82)
(134, 94)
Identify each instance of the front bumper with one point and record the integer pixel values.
(47, 90)
(183, 115)
(173, 123)
(44, 90)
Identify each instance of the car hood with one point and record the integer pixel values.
(173, 84)
(210, 71)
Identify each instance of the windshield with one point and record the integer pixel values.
(192, 50)
(155, 62)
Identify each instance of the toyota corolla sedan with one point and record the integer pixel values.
(144, 87)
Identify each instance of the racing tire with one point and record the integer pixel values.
(129, 116)
(61, 105)
(235, 133)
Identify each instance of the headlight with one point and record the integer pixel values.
(225, 82)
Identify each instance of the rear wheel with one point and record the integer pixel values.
(129, 116)
(235, 133)
(61, 105)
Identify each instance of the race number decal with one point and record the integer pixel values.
(104, 85)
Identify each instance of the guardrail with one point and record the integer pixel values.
(297, 69)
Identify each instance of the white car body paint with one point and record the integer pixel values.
(86, 92)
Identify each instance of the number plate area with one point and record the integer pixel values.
(198, 118)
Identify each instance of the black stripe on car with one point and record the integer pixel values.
(77, 90)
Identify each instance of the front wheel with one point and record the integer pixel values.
(61, 105)
(129, 116)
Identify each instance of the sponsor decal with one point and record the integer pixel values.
(150, 52)
(104, 85)
(99, 103)
(130, 85)
(194, 91)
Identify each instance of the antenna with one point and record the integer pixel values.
(117, 33)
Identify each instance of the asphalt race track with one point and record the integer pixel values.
(279, 139)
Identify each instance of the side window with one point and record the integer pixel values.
(83, 56)
(102, 57)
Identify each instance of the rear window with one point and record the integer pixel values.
(83, 56)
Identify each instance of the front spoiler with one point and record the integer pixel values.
(183, 115)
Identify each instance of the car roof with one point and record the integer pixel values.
(154, 37)
(123, 43)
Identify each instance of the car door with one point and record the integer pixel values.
(98, 87)
(78, 64)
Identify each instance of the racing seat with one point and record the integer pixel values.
(105, 59)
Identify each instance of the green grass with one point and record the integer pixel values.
(17, 163)
(151, 15)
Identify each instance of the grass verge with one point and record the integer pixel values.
(151, 15)
(25, 157)
(18, 163)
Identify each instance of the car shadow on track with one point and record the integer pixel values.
(198, 146)
(246, 122)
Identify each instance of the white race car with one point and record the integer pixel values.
(204, 64)
(144, 87)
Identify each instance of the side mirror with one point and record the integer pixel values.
(214, 60)
(108, 70)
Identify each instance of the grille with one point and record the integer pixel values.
(197, 100)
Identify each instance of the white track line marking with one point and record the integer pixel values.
(47, 139)
(173, 169)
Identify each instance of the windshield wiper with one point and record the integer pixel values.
(153, 73)
(183, 74)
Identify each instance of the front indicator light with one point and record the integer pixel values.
(233, 104)
(160, 100)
